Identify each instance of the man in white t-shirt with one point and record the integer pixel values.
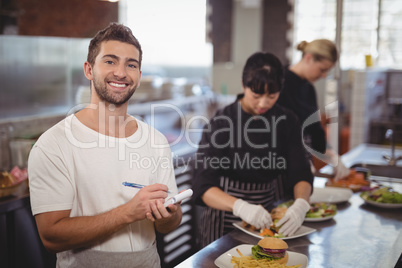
(76, 168)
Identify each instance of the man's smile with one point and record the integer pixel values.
(118, 85)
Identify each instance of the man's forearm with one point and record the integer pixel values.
(78, 232)
(61, 232)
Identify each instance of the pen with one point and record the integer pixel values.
(136, 185)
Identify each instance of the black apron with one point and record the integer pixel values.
(216, 223)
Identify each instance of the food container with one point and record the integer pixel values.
(10, 190)
(9, 184)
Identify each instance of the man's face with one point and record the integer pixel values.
(257, 104)
(116, 73)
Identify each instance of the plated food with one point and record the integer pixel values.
(317, 212)
(302, 231)
(354, 181)
(242, 256)
(271, 249)
(384, 197)
(321, 212)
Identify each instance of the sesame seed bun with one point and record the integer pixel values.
(272, 243)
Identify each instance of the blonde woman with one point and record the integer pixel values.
(298, 94)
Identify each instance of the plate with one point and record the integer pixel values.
(318, 219)
(223, 261)
(331, 195)
(383, 205)
(302, 231)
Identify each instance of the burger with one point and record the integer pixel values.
(277, 214)
(271, 248)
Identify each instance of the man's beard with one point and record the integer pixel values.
(106, 96)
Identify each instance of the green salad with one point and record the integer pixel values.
(321, 210)
(317, 210)
(382, 195)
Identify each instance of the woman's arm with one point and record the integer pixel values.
(302, 189)
(218, 199)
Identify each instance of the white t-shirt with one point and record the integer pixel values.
(72, 167)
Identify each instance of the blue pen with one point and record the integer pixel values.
(136, 185)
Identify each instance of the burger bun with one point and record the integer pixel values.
(272, 243)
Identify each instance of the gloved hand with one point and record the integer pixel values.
(294, 217)
(340, 170)
(255, 215)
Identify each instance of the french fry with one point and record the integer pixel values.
(238, 251)
(250, 262)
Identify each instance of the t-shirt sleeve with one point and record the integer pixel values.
(51, 188)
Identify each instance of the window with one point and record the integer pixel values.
(368, 27)
(390, 34)
(172, 33)
(312, 20)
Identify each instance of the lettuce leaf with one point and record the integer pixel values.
(259, 254)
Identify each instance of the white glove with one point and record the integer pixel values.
(294, 217)
(255, 215)
(340, 170)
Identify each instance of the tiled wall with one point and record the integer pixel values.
(357, 127)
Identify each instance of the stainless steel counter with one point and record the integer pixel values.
(359, 235)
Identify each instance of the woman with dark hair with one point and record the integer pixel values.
(250, 156)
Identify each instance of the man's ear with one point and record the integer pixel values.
(88, 70)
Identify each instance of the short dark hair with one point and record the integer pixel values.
(115, 32)
(263, 73)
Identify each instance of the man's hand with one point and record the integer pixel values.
(166, 219)
(294, 217)
(145, 201)
(255, 215)
(159, 211)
